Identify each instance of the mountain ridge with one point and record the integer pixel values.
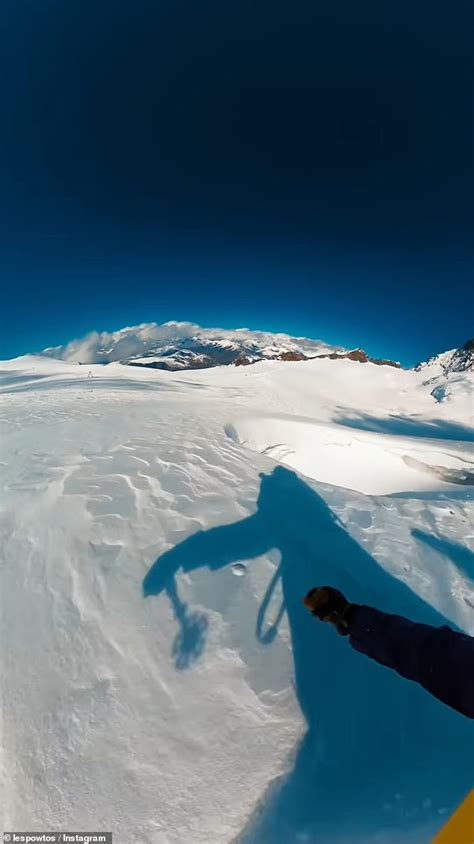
(173, 346)
(181, 345)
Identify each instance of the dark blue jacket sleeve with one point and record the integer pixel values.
(438, 658)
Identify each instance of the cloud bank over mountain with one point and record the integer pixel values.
(155, 342)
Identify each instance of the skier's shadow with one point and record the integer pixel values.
(379, 753)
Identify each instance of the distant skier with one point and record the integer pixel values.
(438, 658)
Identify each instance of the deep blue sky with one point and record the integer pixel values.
(294, 166)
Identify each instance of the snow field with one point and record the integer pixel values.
(214, 710)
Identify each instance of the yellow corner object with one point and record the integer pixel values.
(460, 827)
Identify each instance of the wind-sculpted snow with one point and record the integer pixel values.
(150, 691)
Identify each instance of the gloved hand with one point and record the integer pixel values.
(330, 605)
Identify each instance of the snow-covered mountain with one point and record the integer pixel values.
(446, 372)
(160, 676)
(456, 360)
(184, 345)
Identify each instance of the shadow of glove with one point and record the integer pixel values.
(330, 605)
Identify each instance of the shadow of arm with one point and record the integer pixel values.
(214, 548)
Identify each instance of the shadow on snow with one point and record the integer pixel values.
(462, 557)
(46, 384)
(380, 756)
(408, 426)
